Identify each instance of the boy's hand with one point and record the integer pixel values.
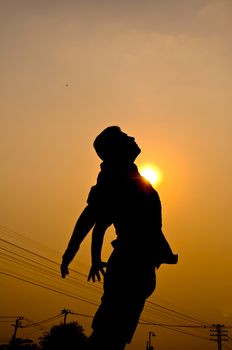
(64, 269)
(95, 270)
(66, 260)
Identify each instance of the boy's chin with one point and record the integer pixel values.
(136, 152)
(128, 156)
(135, 155)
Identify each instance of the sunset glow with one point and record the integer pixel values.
(151, 173)
(161, 71)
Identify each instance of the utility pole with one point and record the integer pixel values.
(65, 312)
(16, 326)
(149, 346)
(218, 334)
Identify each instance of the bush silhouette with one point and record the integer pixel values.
(69, 336)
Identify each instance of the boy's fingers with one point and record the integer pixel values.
(102, 271)
(98, 276)
(95, 272)
(64, 271)
(90, 274)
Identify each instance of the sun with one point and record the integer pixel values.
(151, 173)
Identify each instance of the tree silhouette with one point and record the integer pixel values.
(25, 344)
(20, 344)
(64, 336)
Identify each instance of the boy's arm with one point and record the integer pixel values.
(84, 224)
(96, 247)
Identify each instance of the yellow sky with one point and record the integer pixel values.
(161, 70)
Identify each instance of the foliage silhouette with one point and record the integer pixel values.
(69, 336)
(20, 344)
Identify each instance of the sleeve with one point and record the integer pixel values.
(100, 200)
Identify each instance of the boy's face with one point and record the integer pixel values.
(127, 147)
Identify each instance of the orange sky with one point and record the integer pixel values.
(161, 70)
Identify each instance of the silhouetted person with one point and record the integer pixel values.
(121, 197)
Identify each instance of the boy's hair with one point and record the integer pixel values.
(106, 143)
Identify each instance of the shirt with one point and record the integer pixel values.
(124, 198)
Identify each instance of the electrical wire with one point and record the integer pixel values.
(164, 309)
(82, 315)
(195, 320)
(43, 267)
(43, 321)
(172, 325)
(33, 264)
(48, 288)
(175, 328)
(186, 333)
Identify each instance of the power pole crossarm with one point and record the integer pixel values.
(218, 334)
(17, 324)
(149, 345)
(65, 312)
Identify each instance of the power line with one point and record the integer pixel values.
(48, 288)
(52, 286)
(68, 294)
(39, 255)
(24, 257)
(41, 267)
(150, 307)
(28, 251)
(49, 270)
(177, 312)
(82, 315)
(226, 346)
(25, 238)
(175, 328)
(46, 267)
(167, 326)
(173, 325)
(187, 333)
(41, 322)
(39, 327)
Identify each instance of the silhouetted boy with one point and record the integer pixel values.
(121, 197)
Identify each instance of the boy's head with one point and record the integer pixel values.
(114, 145)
